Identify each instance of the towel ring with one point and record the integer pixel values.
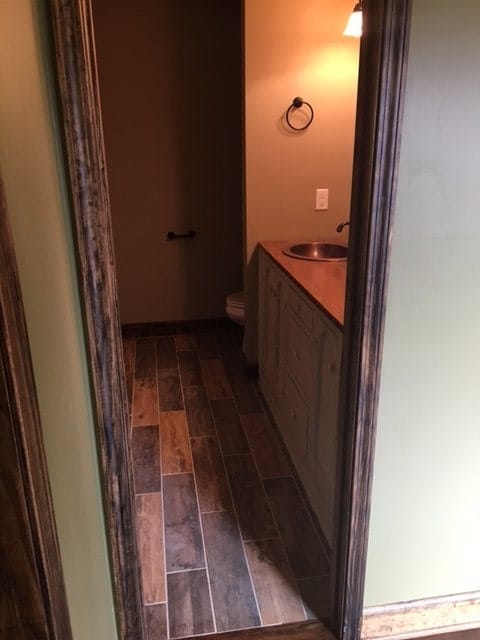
(296, 104)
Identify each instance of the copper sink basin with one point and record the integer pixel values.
(326, 251)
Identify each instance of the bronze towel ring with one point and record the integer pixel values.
(297, 103)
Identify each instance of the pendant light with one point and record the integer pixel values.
(354, 24)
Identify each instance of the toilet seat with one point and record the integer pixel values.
(236, 299)
(235, 307)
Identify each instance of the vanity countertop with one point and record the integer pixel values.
(324, 282)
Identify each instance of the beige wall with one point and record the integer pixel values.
(35, 189)
(425, 520)
(170, 75)
(297, 49)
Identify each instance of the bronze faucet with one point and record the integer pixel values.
(341, 225)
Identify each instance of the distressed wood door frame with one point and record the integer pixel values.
(381, 82)
(382, 74)
(33, 598)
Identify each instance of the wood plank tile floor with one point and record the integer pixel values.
(225, 540)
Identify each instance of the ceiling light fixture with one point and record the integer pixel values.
(354, 24)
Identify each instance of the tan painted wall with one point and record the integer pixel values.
(297, 49)
(31, 166)
(170, 79)
(425, 519)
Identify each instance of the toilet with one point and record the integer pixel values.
(235, 307)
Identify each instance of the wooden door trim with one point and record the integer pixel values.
(381, 85)
(23, 414)
(76, 75)
(383, 58)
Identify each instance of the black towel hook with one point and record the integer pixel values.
(297, 103)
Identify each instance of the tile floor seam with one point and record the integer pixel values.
(254, 460)
(300, 489)
(202, 533)
(308, 509)
(176, 473)
(234, 510)
(170, 573)
(167, 615)
(221, 355)
(205, 513)
(248, 540)
(284, 549)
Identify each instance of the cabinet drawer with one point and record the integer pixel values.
(301, 307)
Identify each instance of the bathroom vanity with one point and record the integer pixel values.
(301, 306)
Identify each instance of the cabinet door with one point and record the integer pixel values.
(322, 432)
(272, 285)
(294, 424)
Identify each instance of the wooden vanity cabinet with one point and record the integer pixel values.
(299, 366)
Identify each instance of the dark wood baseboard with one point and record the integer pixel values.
(145, 329)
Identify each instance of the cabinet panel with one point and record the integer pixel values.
(301, 358)
(300, 355)
(294, 425)
(322, 434)
(301, 307)
(271, 320)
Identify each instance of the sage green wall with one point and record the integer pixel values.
(31, 166)
(425, 520)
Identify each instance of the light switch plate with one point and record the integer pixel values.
(321, 199)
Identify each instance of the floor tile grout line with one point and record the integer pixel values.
(292, 476)
(220, 356)
(291, 465)
(147, 493)
(274, 519)
(254, 460)
(300, 489)
(276, 437)
(237, 521)
(167, 615)
(202, 533)
(176, 473)
(250, 540)
(170, 573)
(234, 511)
(206, 513)
(308, 509)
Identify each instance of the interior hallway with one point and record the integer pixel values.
(225, 539)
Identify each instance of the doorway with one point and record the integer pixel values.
(159, 67)
(93, 232)
(170, 81)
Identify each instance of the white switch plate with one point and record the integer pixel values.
(321, 199)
